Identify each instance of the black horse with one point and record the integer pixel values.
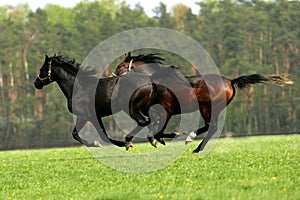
(90, 98)
(212, 92)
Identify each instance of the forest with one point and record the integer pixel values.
(242, 37)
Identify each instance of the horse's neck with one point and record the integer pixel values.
(65, 82)
(145, 69)
(78, 90)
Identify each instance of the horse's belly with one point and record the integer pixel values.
(187, 100)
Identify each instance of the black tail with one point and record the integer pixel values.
(244, 81)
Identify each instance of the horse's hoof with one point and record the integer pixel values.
(187, 142)
(190, 138)
(154, 143)
(128, 145)
(162, 141)
(196, 151)
(97, 143)
(178, 133)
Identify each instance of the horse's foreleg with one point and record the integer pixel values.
(130, 136)
(161, 135)
(75, 135)
(152, 130)
(80, 122)
(136, 114)
(159, 120)
(100, 129)
(136, 105)
(142, 121)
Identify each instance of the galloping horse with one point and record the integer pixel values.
(78, 88)
(212, 92)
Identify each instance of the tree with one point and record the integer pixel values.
(164, 18)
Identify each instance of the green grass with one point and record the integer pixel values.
(266, 167)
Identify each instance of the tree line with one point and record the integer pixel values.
(242, 37)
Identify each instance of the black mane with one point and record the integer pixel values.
(148, 58)
(62, 59)
(152, 58)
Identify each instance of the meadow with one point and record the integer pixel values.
(262, 167)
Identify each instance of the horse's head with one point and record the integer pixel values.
(52, 68)
(125, 66)
(44, 77)
(143, 63)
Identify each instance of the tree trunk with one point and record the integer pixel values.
(266, 111)
(249, 109)
(261, 48)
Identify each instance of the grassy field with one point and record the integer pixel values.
(266, 167)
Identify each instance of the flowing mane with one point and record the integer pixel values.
(74, 66)
(152, 58)
(148, 58)
(62, 59)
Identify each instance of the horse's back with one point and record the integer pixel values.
(214, 87)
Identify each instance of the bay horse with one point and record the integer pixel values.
(212, 92)
(79, 88)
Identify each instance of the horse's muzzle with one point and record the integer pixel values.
(38, 84)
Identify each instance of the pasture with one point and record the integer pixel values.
(262, 167)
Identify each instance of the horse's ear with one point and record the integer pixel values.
(54, 55)
(128, 56)
(46, 57)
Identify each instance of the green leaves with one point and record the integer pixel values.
(242, 37)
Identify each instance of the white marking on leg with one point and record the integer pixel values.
(97, 143)
(190, 137)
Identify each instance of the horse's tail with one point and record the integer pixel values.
(244, 81)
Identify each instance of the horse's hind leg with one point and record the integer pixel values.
(211, 125)
(212, 129)
(194, 134)
(205, 110)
